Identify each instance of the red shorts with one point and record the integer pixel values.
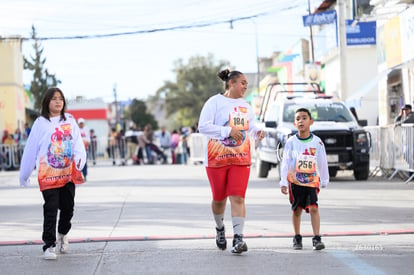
(228, 181)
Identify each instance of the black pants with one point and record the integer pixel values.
(62, 198)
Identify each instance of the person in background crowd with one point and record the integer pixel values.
(121, 145)
(406, 115)
(17, 135)
(93, 146)
(5, 136)
(227, 120)
(27, 129)
(141, 147)
(84, 131)
(132, 142)
(184, 145)
(112, 140)
(165, 140)
(175, 140)
(9, 140)
(148, 135)
(17, 140)
(151, 147)
(55, 148)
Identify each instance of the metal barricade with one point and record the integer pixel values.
(10, 156)
(375, 151)
(403, 151)
(197, 143)
(387, 147)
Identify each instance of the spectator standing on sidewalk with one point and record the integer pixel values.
(56, 149)
(141, 147)
(93, 146)
(175, 140)
(406, 115)
(27, 129)
(86, 141)
(165, 140)
(227, 120)
(112, 144)
(132, 142)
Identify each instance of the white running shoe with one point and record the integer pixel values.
(50, 254)
(63, 243)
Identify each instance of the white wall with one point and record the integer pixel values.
(361, 74)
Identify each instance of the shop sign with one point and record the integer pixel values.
(320, 18)
(361, 33)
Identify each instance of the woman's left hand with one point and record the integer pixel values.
(260, 134)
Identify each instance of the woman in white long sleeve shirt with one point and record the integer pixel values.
(55, 147)
(228, 121)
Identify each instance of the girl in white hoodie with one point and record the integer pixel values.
(55, 147)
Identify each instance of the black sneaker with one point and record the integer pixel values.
(221, 238)
(297, 242)
(239, 245)
(317, 243)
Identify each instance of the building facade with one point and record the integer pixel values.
(12, 99)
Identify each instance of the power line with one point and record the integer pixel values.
(181, 27)
(199, 24)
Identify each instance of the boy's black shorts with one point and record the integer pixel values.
(303, 197)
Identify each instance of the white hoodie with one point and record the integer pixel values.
(55, 147)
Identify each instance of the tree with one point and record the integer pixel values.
(195, 82)
(137, 112)
(42, 79)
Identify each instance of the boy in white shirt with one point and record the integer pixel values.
(304, 169)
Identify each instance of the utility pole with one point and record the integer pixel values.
(116, 104)
(311, 37)
(343, 93)
(257, 58)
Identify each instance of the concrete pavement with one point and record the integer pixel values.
(157, 220)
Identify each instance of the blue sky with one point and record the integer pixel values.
(140, 63)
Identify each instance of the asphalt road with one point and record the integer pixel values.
(157, 220)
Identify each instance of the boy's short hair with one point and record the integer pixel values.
(304, 110)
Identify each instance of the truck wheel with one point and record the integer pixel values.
(362, 172)
(262, 168)
(332, 172)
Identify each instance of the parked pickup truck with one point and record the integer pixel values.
(347, 144)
